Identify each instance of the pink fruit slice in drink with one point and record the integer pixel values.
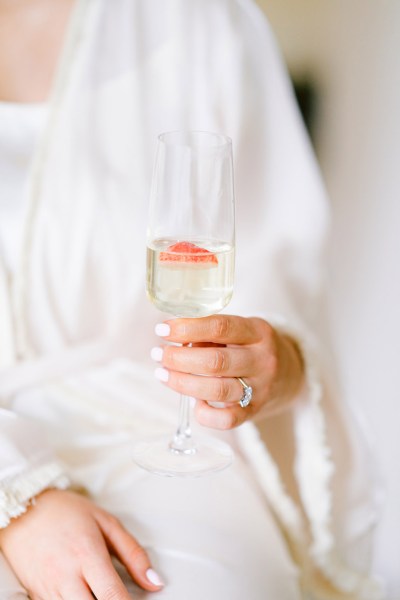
(183, 254)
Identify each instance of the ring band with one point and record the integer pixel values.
(247, 393)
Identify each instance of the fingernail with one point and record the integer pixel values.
(157, 354)
(154, 578)
(162, 329)
(162, 374)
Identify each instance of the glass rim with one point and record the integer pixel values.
(224, 140)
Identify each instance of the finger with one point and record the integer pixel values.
(104, 581)
(77, 590)
(226, 390)
(222, 418)
(207, 345)
(100, 574)
(220, 329)
(232, 362)
(129, 552)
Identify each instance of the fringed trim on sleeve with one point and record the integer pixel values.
(314, 476)
(270, 480)
(17, 493)
(315, 488)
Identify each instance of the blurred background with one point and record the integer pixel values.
(344, 58)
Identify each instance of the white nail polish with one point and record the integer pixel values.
(162, 329)
(162, 374)
(154, 578)
(157, 354)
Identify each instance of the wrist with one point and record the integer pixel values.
(291, 370)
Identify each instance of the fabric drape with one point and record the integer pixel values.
(82, 325)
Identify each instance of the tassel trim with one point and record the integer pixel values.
(316, 494)
(17, 493)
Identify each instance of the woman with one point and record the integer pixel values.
(75, 325)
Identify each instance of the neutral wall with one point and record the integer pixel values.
(352, 48)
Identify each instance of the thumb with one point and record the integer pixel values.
(129, 552)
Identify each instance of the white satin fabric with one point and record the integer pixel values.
(212, 537)
(76, 311)
(21, 126)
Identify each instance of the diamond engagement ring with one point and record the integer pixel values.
(247, 393)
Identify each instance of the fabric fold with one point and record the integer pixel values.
(202, 65)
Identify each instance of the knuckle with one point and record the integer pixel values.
(52, 565)
(111, 594)
(112, 520)
(138, 554)
(200, 412)
(179, 381)
(269, 330)
(222, 392)
(228, 421)
(220, 327)
(273, 365)
(218, 362)
(85, 548)
(169, 358)
(182, 329)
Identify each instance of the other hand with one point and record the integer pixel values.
(60, 550)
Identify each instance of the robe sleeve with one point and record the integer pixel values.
(283, 220)
(27, 465)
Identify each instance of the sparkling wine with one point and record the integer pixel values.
(190, 278)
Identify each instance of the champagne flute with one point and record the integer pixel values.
(190, 268)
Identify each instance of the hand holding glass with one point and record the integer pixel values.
(190, 266)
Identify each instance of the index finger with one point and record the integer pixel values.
(218, 329)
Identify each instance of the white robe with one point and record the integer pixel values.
(78, 326)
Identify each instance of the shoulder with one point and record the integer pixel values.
(214, 23)
(235, 15)
(216, 17)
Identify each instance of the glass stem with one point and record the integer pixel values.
(182, 442)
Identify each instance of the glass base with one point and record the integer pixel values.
(209, 455)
